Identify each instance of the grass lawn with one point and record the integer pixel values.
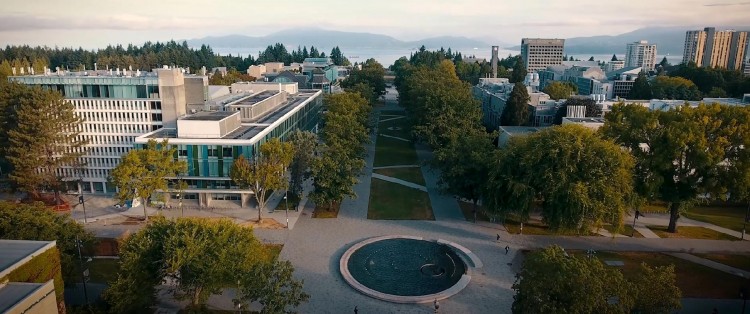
(394, 201)
(467, 209)
(394, 125)
(103, 270)
(535, 227)
(393, 152)
(325, 212)
(691, 232)
(626, 230)
(736, 260)
(727, 217)
(695, 281)
(274, 249)
(413, 175)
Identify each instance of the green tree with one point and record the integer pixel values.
(641, 88)
(552, 281)
(592, 58)
(717, 92)
(265, 172)
(142, 172)
(200, 256)
(36, 222)
(272, 285)
(464, 166)
(685, 154)
(614, 57)
(580, 179)
(592, 109)
(44, 139)
(364, 90)
(518, 75)
(372, 74)
(665, 87)
(516, 110)
(338, 57)
(304, 143)
(655, 290)
(561, 90)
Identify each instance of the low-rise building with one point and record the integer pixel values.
(508, 132)
(29, 274)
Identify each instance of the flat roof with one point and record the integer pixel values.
(254, 99)
(15, 251)
(15, 292)
(210, 115)
(513, 130)
(586, 120)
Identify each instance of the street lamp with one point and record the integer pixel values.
(83, 203)
(747, 218)
(286, 207)
(84, 272)
(635, 216)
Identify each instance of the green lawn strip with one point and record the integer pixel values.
(103, 270)
(722, 216)
(626, 230)
(467, 209)
(397, 128)
(393, 152)
(397, 202)
(274, 249)
(739, 261)
(413, 174)
(695, 280)
(393, 112)
(691, 232)
(536, 227)
(326, 212)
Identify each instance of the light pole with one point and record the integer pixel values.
(83, 203)
(635, 216)
(744, 224)
(239, 302)
(84, 272)
(286, 207)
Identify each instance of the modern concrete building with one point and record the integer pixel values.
(722, 49)
(746, 69)
(593, 123)
(641, 54)
(28, 262)
(118, 106)
(494, 93)
(539, 53)
(614, 65)
(256, 71)
(210, 141)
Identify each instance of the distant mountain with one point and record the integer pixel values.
(327, 39)
(668, 40)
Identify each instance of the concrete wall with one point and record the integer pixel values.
(256, 71)
(172, 92)
(196, 90)
(274, 67)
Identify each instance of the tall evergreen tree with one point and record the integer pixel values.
(614, 57)
(519, 72)
(516, 111)
(641, 88)
(44, 140)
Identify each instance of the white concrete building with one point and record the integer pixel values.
(641, 54)
(539, 53)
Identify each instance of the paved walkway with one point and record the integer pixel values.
(663, 220)
(396, 167)
(399, 181)
(712, 264)
(395, 138)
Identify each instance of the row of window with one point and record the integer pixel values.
(116, 116)
(88, 173)
(111, 140)
(124, 105)
(97, 128)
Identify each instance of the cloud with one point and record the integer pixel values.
(725, 4)
(18, 22)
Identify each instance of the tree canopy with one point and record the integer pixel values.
(142, 172)
(40, 137)
(641, 88)
(561, 90)
(665, 87)
(233, 76)
(36, 222)
(519, 72)
(200, 257)
(553, 281)
(304, 143)
(265, 171)
(578, 178)
(371, 74)
(685, 154)
(516, 110)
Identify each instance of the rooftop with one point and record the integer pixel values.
(14, 292)
(586, 120)
(210, 116)
(517, 130)
(15, 251)
(254, 99)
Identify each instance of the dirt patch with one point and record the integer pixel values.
(265, 223)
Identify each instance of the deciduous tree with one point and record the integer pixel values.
(142, 172)
(561, 90)
(265, 171)
(304, 143)
(580, 179)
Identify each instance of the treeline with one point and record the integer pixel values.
(466, 71)
(146, 57)
(713, 82)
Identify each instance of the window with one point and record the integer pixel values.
(213, 152)
(227, 152)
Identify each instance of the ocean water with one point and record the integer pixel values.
(388, 56)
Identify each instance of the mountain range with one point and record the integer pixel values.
(668, 40)
(327, 39)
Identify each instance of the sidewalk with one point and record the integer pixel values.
(712, 264)
(663, 220)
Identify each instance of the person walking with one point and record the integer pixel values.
(498, 237)
(356, 310)
(507, 249)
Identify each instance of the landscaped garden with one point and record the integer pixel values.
(394, 201)
(409, 174)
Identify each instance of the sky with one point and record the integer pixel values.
(97, 23)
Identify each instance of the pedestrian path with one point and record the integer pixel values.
(663, 220)
(605, 233)
(396, 167)
(646, 232)
(399, 181)
(391, 119)
(395, 137)
(709, 263)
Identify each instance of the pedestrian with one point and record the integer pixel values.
(507, 249)
(356, 310)
(498, 237)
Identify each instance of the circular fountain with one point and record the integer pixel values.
(406, 269)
